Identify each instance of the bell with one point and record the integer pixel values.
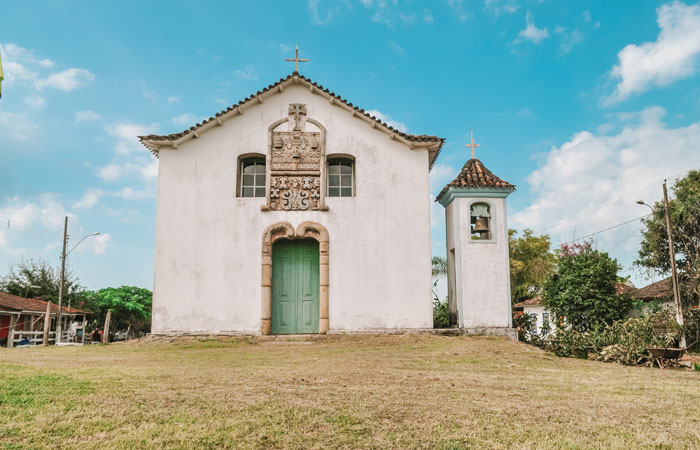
(482, 225)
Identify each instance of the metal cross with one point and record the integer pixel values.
(296, 59)
(472, 145)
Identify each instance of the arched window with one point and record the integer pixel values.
(251, 176)
(341, 177)
(480, 221)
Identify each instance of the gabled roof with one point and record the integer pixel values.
(9, 302)
(534, 301)
(475, 175)
(660, 290)
(155, 142)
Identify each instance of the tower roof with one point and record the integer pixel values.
(475, 175)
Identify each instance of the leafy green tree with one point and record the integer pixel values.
(130, 306)
(441, 313)
(27, 273)
(582, 290)
(531, 263)
(684, 211)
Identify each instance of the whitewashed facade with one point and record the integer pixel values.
(215, 249)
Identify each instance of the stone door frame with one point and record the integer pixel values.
(285, 230)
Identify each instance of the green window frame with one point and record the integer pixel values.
(341, 177)
(252, 177)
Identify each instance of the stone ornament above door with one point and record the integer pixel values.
(296, 164)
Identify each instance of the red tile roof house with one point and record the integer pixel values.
(659, 292)
(23, 319)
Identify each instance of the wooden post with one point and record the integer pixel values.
(47, 324)
(11, 334)
(83, 332)
(674, 274)
(105, 332)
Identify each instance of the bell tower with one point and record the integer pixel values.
(478, 267)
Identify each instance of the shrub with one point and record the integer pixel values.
(623, 341)
(582, 291)
(441, 314)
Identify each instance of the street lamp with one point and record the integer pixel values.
(672, 257)
(63, 275)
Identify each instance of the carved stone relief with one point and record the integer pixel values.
(295, 165)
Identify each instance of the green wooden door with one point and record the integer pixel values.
(295, 287)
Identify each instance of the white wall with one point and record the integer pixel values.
(481, 267)
(208, 241)
(538, 311)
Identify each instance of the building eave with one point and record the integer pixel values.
(155, 143)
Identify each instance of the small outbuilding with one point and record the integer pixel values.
(22, 321)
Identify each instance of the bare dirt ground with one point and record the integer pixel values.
(406, 391)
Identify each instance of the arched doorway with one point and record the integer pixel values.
(303, 257)
(295, 287)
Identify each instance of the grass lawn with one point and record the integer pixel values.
(410, 391)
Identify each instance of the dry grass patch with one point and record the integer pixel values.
(405, 391)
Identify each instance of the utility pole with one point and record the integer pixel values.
(60, 282)
(674, 274)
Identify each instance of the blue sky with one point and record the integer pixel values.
(585, 106)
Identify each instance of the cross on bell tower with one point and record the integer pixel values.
(296, 59)
(472, 144)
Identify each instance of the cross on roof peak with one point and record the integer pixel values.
(296, 59)
(472, 144)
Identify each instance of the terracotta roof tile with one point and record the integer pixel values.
(660, 289)
(16, 303)
(475, 175)
(407, 136)
(534, 301)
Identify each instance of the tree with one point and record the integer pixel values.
(582, 290)
(441, 313)
(130, 306)
(27, 273)
(684, 212)
(531, 263)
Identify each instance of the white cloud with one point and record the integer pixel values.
(440, 175)
(67, 80)
(428, 16)
(396, 48)
(284, 48)
(185, 120)
(86, 116)
(17, 126)
(531, 32)
(172, 99)
(100, 242)
(458, 9)
(319, 17)
(35, 220)
(90, 198)
(498, 7)
(110, 172)
(408, 19)
(673, 56)
(35, 102)
(592, 182)
(127, 136)
(246, 74)
(388, 120)
(569, 40)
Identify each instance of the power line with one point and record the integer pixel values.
(85, 271)
(33, 235)
(608, 229)
(33, 228)
(622, 241)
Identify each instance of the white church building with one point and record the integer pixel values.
(296, 212)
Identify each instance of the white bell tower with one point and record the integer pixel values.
(478, 267)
